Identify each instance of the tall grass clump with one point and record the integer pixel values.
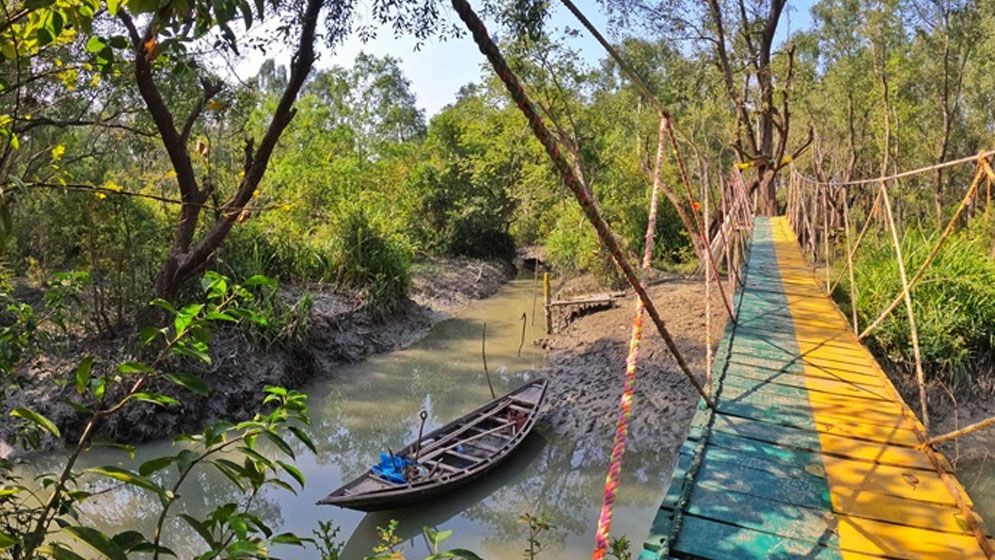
(251, 250)
(954, 303)
(368, 260)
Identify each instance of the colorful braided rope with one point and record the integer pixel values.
(601, 536)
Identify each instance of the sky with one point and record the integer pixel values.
(440, 68)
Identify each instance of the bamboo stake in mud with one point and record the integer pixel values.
(522, 342)
(483, 355)
(545, 299)
(490, 50)
(920, 374)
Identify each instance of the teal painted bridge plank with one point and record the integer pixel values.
(736, 495)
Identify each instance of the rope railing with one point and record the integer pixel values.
(797, 209)
(603, 532)
(902, 175)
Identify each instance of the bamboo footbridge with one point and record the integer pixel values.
(810, 452)
(801, 448)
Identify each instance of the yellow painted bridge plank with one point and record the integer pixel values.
(899, 509)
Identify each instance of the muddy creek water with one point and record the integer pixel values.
(362, 409)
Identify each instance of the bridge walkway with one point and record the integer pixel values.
(811, 454)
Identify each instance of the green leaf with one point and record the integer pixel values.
(127, 448)
(155, 398)
(148, 334)
(128, 540)
(260, 280)
(289, 538)
(155, 465)
(6, 541)
(127, 477)
(99, 541)
(44, 36)
(128, 368)
(280, 442)
(464, 554)
(436, 538)
(37, 419)
(294, 472)
(201, 529)
(159, 302)
(83, 374)
(304, 438)
(188, 381)
(60, 552)
(112, 6)
(95, 44)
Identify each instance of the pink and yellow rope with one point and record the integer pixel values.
(603, 532)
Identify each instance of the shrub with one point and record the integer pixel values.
(251, 250)
(368, 260)
(954, 303)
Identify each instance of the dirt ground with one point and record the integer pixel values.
(586, 363)
(949, 412)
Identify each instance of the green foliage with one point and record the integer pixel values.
(324, 537)
(43, 526)
(537, 524)
(619, 548)
(368, 260)
(954, 303)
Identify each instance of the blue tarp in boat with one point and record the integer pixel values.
(392, 467)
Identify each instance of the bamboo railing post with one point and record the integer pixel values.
(920, 374)
(849, 261)
(546, 300)
(825, 234)
(708, 300)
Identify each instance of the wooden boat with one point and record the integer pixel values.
(451, 456)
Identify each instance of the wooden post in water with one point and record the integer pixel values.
(545, 300)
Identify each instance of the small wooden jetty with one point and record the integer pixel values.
(811, 452)
(576, 303)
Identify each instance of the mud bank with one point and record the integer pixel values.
(340, 332)
(586, 364)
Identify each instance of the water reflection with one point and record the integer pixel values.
(978, 478)
(362, 409)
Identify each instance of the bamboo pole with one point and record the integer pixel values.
(849, 261)
(546, 301)
(920, 374)
(570, 179)
(731, 220)
(989, 422)
(483, 356)
(825, 235)
(708, 303)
